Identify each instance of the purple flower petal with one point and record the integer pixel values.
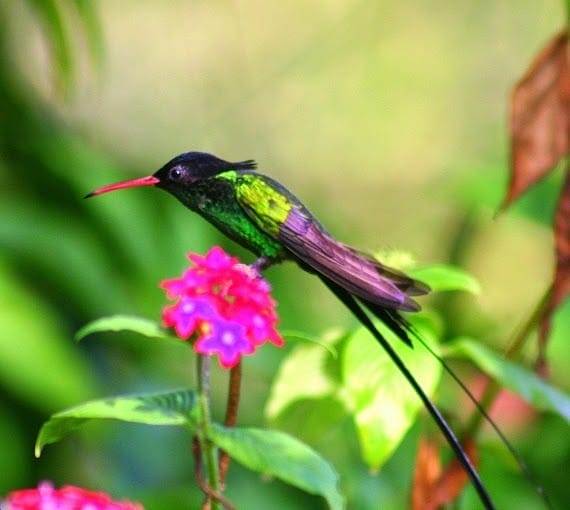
(227, 339)
(186, 315)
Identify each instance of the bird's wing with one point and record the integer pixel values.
(342, 265)
(275, 211)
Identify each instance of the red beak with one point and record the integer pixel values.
(151, 180)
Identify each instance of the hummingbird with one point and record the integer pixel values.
(266, 218)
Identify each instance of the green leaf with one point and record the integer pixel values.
(443, 277)
(278, 454)
(518, 379)
(288, 387)
(398, 259)
(176, 407)
(146, 327)
(325, 342)
(314, 420)
(382, 402)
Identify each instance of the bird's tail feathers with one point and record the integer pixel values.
(351, 303)
(402, 329)
(395, 322)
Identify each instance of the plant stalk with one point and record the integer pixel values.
(209, 452)
(234, 389)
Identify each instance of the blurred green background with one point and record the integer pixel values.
(387, 118)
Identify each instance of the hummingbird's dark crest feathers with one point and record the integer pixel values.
(248, 164)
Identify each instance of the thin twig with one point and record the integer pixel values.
(204, 487)
(537, 315)
(232, 405)
(493, 388)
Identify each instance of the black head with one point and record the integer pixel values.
(191, 167)
(181, 172)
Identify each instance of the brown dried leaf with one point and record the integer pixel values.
(561, 284)
(540, 117)
(454, 478)
(432, 489)
(562, 236)
(426, 473)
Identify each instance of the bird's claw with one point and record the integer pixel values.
(261, 264)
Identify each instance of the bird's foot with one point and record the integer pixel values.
(254, 270)
(261, 264)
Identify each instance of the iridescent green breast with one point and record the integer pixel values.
(216, 199)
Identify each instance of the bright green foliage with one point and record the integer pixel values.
(516, 378)
(177, 407)
(363, 382)
(310, 360)
(265, 451)
(443, 277)
(281, 455)
(364, 385)
(383, 406)
(140, 325)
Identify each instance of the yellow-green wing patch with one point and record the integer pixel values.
(267, 207)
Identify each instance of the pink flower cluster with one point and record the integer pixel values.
(226, 304)
(46, 497)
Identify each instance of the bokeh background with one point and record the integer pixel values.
(387, 118)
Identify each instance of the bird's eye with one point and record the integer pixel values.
(177, 173)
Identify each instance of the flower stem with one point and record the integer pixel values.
(538, 313)
(209, 452)
(234, 388)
